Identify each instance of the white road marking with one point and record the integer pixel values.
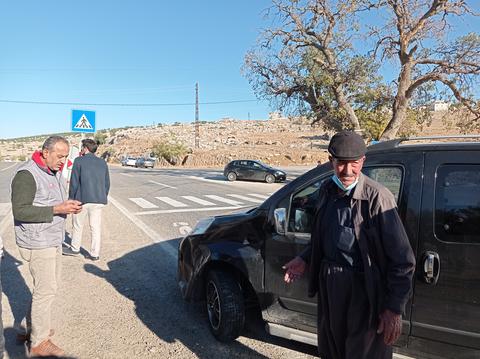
(183, 227)
(126, 174)
(199, 201)
(245, 198)
(162, 184)
(209, 180)
(401, 356)
(262, 196)
(223, 199)
(143, 202)
(4, 208)
(153, 235)
(172, 202)
(6, 168)
(203, 209)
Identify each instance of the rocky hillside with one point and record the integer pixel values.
(278, 141)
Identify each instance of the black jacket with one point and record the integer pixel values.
(387, 256)
(90, 181)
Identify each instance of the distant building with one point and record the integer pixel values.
(277, 115)
(439, 106)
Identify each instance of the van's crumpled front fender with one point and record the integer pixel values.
(233, 243)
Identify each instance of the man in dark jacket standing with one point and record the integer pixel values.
(40, 207)
(360, 260)
(89, 184)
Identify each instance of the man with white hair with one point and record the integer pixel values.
(40, 207)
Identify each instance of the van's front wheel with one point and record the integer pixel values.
(225, 305)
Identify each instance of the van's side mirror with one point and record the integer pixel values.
(280, 215)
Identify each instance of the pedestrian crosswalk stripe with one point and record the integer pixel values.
(185, 210)
(199, 201)
(262, 196)
(238, 200)
(239, 196)
(223, 199)
(143, 203)
(172, 202)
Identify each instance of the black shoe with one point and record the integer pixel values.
(66, 251)
(92, 258)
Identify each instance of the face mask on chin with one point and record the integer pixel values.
(341, 185)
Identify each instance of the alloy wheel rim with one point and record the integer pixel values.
(213, 305)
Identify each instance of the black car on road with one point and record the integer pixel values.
(254, 171)
(234, 262)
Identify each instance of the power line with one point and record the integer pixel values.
(122, 104)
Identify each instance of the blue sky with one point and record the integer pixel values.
(143, 51)
(124, 52)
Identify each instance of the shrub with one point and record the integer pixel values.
(100, 137)
(169, 151)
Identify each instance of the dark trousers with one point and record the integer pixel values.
(343, 328)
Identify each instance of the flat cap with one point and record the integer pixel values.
(347, 146)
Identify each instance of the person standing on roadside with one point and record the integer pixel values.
(360, 260)
(89, 184)
(40, 207)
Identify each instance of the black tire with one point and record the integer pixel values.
(225, 305)
(231, 176)
(270, 178)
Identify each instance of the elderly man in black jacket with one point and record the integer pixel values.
(360, 260)
(89, 184)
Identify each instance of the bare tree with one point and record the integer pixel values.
(416, 34)
(309, 59)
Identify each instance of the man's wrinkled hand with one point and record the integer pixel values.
(70, 206)
(390, 324)
(294, 269)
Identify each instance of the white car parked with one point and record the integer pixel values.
(129, 161)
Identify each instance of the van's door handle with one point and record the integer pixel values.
(430, 267)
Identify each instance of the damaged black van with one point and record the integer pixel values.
(234, 262)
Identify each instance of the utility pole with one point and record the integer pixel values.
(197, 125)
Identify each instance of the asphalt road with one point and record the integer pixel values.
(170, 202)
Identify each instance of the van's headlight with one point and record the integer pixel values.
(202, 226)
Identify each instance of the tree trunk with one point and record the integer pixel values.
(345, 105)
(400, 105)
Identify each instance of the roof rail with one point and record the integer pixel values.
(441, 137)
(396, 142)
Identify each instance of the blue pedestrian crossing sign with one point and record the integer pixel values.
(83, 121)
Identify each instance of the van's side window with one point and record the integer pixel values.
(390, 177)
(457, 203)
(302, 208)
(303, 203)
